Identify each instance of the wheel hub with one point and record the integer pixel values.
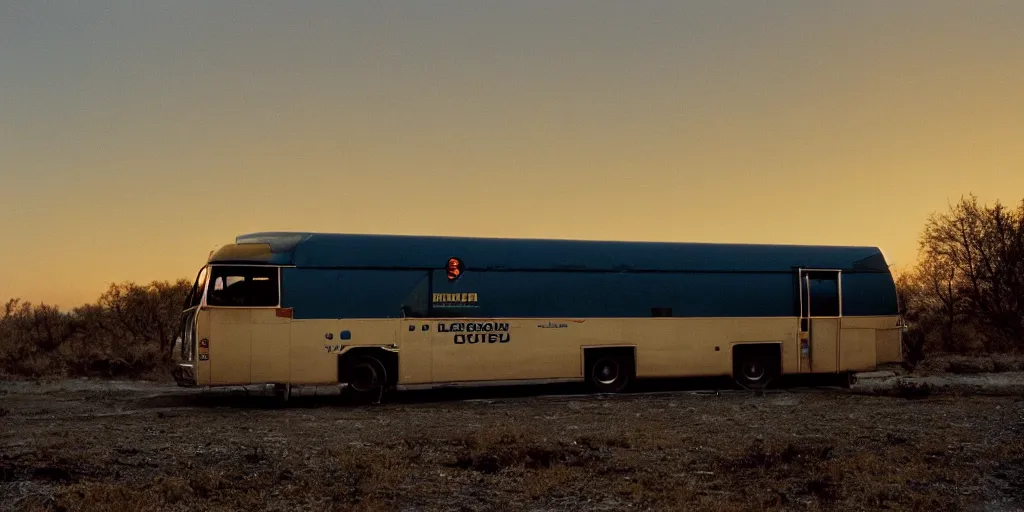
(753, 370)
(364, 377)
(606, 372)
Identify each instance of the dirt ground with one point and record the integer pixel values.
(931, 443)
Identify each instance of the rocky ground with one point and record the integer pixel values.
(940, 442)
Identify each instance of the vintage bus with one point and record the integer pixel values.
(379, 312)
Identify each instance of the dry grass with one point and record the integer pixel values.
(807, 451)
(756, 476)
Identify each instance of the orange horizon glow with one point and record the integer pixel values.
(135, 140)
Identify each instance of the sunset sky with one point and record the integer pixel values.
(135, 136)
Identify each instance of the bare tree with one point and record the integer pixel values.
(910, 294)
(973, 260)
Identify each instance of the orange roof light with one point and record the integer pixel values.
(454, 268)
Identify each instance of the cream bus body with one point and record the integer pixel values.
(381, 311)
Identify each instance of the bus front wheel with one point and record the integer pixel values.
(609, 372)
(366, 378)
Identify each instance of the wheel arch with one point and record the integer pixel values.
(623, 354)
(769, 353)
(589, 352)
(386, 355)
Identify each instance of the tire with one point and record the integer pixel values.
(366, 379)
(847, 380)
(609, 373)
(282, 393)
(754, 369)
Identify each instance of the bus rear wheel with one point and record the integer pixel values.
(847, 380)
(366, 378)
(609, 372)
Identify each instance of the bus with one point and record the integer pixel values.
(372, 313)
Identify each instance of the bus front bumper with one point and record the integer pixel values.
(185, 375)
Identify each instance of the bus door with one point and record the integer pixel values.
(249, 338)
(820, 317)
(229, 346)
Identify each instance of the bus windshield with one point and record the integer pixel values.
(195, 296)
(243, 286)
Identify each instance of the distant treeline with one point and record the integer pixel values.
(128, 332)
(965, 296)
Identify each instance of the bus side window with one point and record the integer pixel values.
(824, 300)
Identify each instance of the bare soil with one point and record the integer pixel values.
(941, 442)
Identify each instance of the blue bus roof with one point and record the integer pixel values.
(329, 250)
